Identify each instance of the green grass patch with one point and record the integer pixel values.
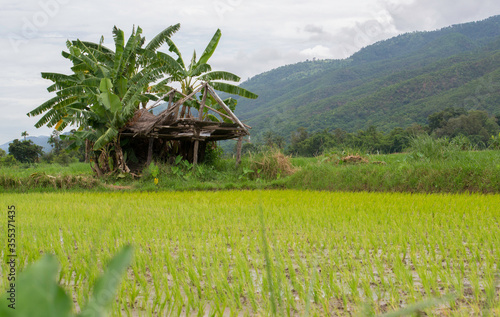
(458, 172)
(466, 172)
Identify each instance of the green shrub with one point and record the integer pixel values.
(8, 160)
(494, 142)
(213, 153)
(427, 148)
(463, 143)
(63, 158)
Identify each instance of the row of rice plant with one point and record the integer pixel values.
(270, 252)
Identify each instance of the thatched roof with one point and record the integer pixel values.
(176, 124)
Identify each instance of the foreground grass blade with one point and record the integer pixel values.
(104, 292)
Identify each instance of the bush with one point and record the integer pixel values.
(8, 160)
(48, 157)
(428, 148)
(463, 143)
(63, 158)
(494, 143)
(213, 154)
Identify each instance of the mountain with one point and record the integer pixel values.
(392, 83)
(38, 140)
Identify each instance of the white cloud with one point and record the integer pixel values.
(319, 51)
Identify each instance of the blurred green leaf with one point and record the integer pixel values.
(37, 292)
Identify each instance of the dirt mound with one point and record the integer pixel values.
(354, 159)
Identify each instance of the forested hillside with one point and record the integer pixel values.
(393, 83)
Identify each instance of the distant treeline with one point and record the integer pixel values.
(27, 152)
(473, 129)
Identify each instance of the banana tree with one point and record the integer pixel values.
(104, 91)
(198, 71)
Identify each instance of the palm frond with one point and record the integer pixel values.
(56, 77)
(92, 81)
(105, 138)
(162, 37)
(199, 69)
(73, 58)
(65, 102)
(119, 42)
(71, 91)
(213, 118)
(88, 64)
(163, 86)
(150, 97)
(60, 85)
(46, 106)
(98, 47)
(192, 65)
(232, 89)
(129, 53)
(220, 75)
(93, 50)
(88, 53)
(173, 48)
(102, 57)
(173, 65)
(50, 118)
(82, 67)
(212, 45)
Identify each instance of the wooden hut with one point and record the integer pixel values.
(175, 128)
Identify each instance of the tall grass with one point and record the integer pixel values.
(270, 165)
(470, 173)
(429, 148)
(429, 167)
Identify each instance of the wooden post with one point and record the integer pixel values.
(150, 151)
(196, 131)
(170, 99)
(202, 104)
(181, 102)
(195, 153)
(226, 108)
(238, 151)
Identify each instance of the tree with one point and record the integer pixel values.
(104, 91)
(55, 142)
(25, 151)
(299, 136)
(439, 119)
(273, 140)
(107, 88)
(24, 134)
(397, 140)
(193, 75)
(303, 144)
(477, 125)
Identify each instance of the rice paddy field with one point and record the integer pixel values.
(260, 253)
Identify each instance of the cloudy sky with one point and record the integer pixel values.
(257, 35)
